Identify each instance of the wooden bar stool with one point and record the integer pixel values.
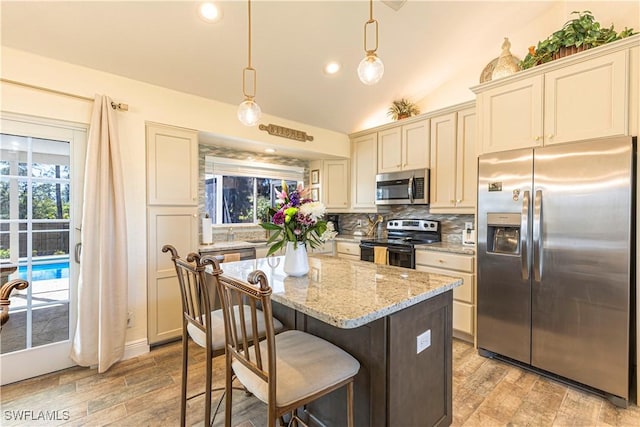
(203, 324)
(286, 371)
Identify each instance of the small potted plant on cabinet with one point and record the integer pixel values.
(577, 34)
(402, 109)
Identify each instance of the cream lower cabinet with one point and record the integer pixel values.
(348, 250)
(261, 251)
(453, 179)
(327, 248)
(177, 226)
(464, 302)
(582, 96)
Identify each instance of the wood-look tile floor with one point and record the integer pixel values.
(145, 391)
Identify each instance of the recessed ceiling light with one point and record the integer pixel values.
(210, 12)
(332, 68)
(269, 150)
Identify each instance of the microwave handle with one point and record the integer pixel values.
(410, 189)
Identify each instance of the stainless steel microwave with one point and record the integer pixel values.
(403, 188)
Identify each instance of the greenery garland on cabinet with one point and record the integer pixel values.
(577, 34)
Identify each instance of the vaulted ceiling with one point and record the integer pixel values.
(433, 51)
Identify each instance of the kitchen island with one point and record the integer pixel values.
(395, 321)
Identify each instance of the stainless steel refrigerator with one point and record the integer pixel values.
(555, 260)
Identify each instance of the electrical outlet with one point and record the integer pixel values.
(423, 341)
(130, 319)
(359, 223)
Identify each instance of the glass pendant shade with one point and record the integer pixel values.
(249, 112)
(371, 69)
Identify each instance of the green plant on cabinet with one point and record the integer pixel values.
(580, 33)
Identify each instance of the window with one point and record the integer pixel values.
(237, 193)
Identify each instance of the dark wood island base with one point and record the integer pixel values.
(395, 385)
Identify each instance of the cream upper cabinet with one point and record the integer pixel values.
(586, 100)
(335, 193)
(512, 115)
(172, 165)
(582, 96)
(467, 161)
(443, 161)
(453, 162)
(415, 145)
(390, 150)
(404, 147)
(364, 158)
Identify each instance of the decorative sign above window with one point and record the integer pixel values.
(284, 132)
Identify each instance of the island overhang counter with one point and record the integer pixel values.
(397, 322)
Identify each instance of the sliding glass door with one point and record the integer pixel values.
(41, 166)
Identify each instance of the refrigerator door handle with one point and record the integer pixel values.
(524, 237)
(537, 236)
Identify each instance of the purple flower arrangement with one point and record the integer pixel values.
(296, 218)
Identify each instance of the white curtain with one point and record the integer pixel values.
(102, 288)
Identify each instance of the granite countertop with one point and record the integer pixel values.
(235, 244)
(452, 247)
(349, 238)
(345, 293)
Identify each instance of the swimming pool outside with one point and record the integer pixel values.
(46, 271)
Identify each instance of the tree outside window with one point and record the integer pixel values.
(240, 199)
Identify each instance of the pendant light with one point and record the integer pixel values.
(249, 112)
(371, 68)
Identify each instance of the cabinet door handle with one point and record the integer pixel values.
(550, 136)
(537, 138)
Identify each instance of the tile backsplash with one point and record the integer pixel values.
(451, 225)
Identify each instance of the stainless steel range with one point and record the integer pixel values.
(402, 236)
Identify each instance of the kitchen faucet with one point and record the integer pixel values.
(373, 224)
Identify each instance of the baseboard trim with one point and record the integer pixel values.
(135, 348)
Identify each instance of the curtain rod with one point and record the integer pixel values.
(118, 106)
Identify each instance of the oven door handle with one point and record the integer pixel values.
(400, 250)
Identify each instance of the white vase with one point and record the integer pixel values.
(296, 262)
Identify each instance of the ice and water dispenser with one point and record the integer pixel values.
(503, 233)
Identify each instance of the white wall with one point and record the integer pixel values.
(455, 88)
(146, 103)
